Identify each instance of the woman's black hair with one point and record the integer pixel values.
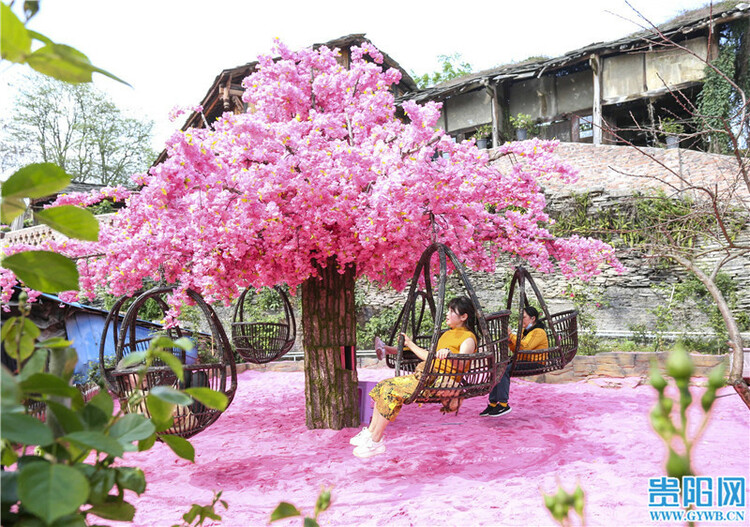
(533, 312)
(464, 306)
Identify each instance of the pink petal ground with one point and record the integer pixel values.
(455, 470)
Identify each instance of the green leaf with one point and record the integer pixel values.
(9, 480)
(44, 270)
(8, 455)
(95, 418)
(48, 384)
(54, 343)
(38, 36)
(170, 395)
(97, 441)
(284, 510)
(51, 491)
(131, 478)
(310, 522)
(115, 510)
(65, 63)
(37, 180)
(324, 500)
(103, 401)
(24, 429)
(36, 364)
(101, 482)
(146, 444)
(9, 390)
(210, 398)
(131, 359)
(69, 420)
(18, 335)
(180, 446)
(72, 520)
(184, 343)
(71, 221)
(132, 427)
(15, 42)
(173, 362)
(160, 410)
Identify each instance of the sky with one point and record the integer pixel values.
(171, 51)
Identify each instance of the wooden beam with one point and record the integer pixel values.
(597, 102)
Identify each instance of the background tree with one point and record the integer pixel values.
(700, 225)
(451, 67)
(78, 128)
(320, 183)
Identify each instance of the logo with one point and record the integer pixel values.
(697, 498)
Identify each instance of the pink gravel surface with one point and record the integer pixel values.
(455, 470)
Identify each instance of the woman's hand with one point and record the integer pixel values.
(407, 341)
(442, 353)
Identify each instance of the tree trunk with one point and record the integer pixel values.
(329, 323)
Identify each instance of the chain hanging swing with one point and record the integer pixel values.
(262, 342)
(460, 376)
(220, 376)
(561, 328)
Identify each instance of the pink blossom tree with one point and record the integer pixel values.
(320, 183)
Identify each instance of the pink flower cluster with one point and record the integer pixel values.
(321, 166)
(178, 111)
(86, 199)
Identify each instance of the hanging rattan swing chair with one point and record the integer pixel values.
(263, 342)
(562, 332)
(478, 372)
(220, 376)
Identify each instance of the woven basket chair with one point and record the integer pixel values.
(473, 375)
(221, 376)
(262, 342)
(562, 332)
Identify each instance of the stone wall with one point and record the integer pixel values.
(608, 174)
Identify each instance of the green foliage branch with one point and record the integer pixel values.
(287, 510)
(669, 416)
(720, 103)
(561, 504)
(55, 485)
(451, 67)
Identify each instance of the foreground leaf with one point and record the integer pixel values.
(52, 491)
(210, 398)
(170, 395)
(131, 478)
(180, 446)
(96, 441)
(43, 270)
(132, 427)
(115, 510)
(15, 42)
(32, 181)
(48, 384)
(24, 429)
(284, 510)
(71, 221)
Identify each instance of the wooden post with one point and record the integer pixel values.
(597, 102)
(501, 130)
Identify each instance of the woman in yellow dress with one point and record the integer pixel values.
(389, 395)
(534, 338)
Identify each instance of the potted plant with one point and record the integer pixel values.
(525, 125)
(482, 135)
(672, 131)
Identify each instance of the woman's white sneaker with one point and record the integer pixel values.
(370, 448)
(360, 437)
